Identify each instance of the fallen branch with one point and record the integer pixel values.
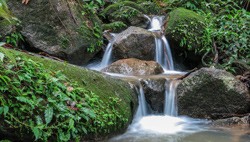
(187, 74)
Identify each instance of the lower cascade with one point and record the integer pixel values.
(148, 125)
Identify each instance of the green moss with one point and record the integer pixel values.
(101, 85)
(186, 27)
(91, 32)
(64, 41)
(150, 7)
(114, 7)
(117, 26)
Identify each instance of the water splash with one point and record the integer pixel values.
(170, 107)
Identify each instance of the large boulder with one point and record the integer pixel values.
(57, 27)
(134, 42)
(185, 30)
(184, 24)
(212, 93)
(134, 66)
(106, 89)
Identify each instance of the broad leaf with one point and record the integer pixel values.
(1, 56)
(5, 110)
(36, 132)
(48, 114)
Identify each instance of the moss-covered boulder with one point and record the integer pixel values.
(127, 12)
(58, 27)
(184, 30)
(44, 104)
(212, 93)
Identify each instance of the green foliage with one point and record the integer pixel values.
(93, 34)
(231, 33)
(35, 101)
(92, 6)
(115, 26)
(14, 38)
(227, 29)
(187, 27)
(91, 29)
(122, 11)
(6, 14)
(150, 7)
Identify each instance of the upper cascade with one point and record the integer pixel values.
(163, 53)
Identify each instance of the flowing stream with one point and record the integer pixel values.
(167, 127)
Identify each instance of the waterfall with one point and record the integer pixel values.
(107, 55)
(163, 53)
(106, 59)
(170, 107)
(142, 107)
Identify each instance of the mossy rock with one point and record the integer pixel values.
(103, 86)
(212, 93)
(117, 26)
(130, 13)
(58, 27)
(185, 27)
(151, 8)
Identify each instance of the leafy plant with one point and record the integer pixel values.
(46, 105)
(5, 12)
(14, 38)
(91, 6)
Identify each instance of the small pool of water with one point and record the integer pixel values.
(181, 129)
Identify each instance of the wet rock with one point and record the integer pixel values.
(134, 42)
(209, 91)
(232, 121)
(134, 66)
(154, 91)
(58, 28)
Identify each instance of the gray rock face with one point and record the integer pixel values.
(134, 42)
(208, 92)
(154, 90)
(134, 66)
(56, 27)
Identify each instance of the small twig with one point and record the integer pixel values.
(203, 58)
(187, 74)
(216, 56)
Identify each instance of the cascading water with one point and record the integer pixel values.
(170, 107)
(107, 55)
(108, 52)
(142, 107)
(163, 53)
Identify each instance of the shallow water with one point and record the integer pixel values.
(181, 129)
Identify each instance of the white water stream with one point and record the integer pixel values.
(163, 53)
